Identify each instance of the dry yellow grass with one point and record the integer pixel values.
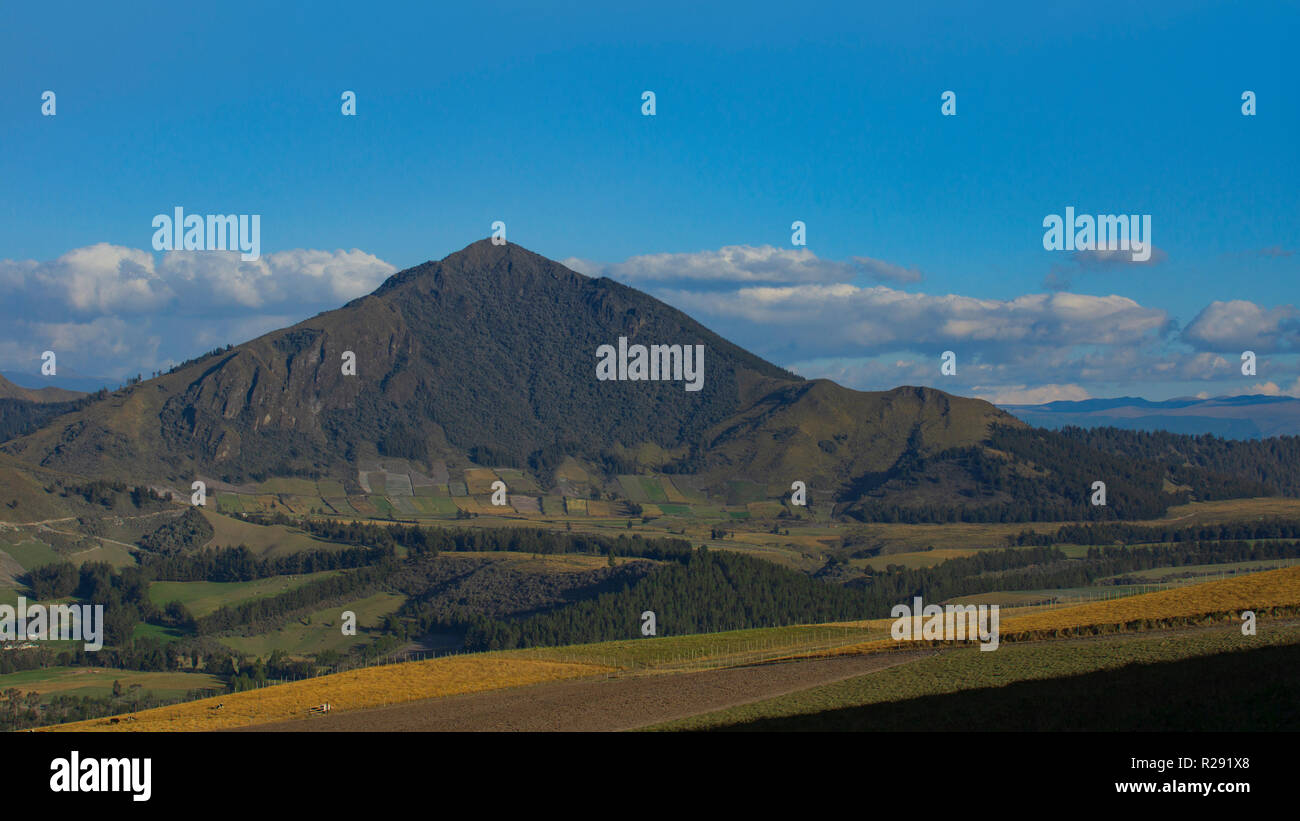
(479, 480)
(353, 690)
(599, 509)
(575, 506)
(1256, 591)
(671, 491)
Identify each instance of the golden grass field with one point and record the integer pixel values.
(1226, 597)
(355, 689)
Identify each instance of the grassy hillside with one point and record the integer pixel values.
(355, 689)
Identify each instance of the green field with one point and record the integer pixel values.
(435, 505)
(341, 506)
(114, 554)
(320, 630)
(31, 554)
(91, 681)
(741, 492)
(292, 487)
(202, 598)
(229, 503)
(329, 487)
(269, 540)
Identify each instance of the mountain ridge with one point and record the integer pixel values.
(488, 357)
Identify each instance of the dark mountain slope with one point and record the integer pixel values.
(489, 356)
(490, 351)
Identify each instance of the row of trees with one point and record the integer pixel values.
(1124, 533)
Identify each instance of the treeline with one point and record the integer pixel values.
(1273, 462)
(1124, 533)
(1048, 568)
(720, 590)
(239, 564)
(424, 541)
(108, 493)
(124, 595)
(710, 591)
(1111, 561)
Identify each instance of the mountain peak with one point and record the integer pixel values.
(483, 263)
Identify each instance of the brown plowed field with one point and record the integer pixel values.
(622, 703)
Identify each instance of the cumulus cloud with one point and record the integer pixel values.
(122, 309)
(106, 279)
(732, 263)
(744, 264)
(1040, 395)
(1272, 389)
(880, 270)
(1100, 257)
(1239, 325)
(1062, 276)
(876, 319)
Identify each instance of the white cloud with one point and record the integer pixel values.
(106, 279)
(1105, 256)
(842, 317)
(1273, 389)
(112, 309)
(1025, 395)
(732, 263)
(880, 270)
(1239, 325)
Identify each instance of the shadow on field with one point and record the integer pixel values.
(1250, 690)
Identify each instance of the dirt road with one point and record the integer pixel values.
(589, 705)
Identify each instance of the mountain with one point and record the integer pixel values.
(8, 390)
(490, 357)
(67, 379)
(1231, 417)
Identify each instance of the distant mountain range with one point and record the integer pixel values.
(8, 390)
(1232, 417)
(66, 380)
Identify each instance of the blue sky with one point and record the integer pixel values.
(766, 114)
